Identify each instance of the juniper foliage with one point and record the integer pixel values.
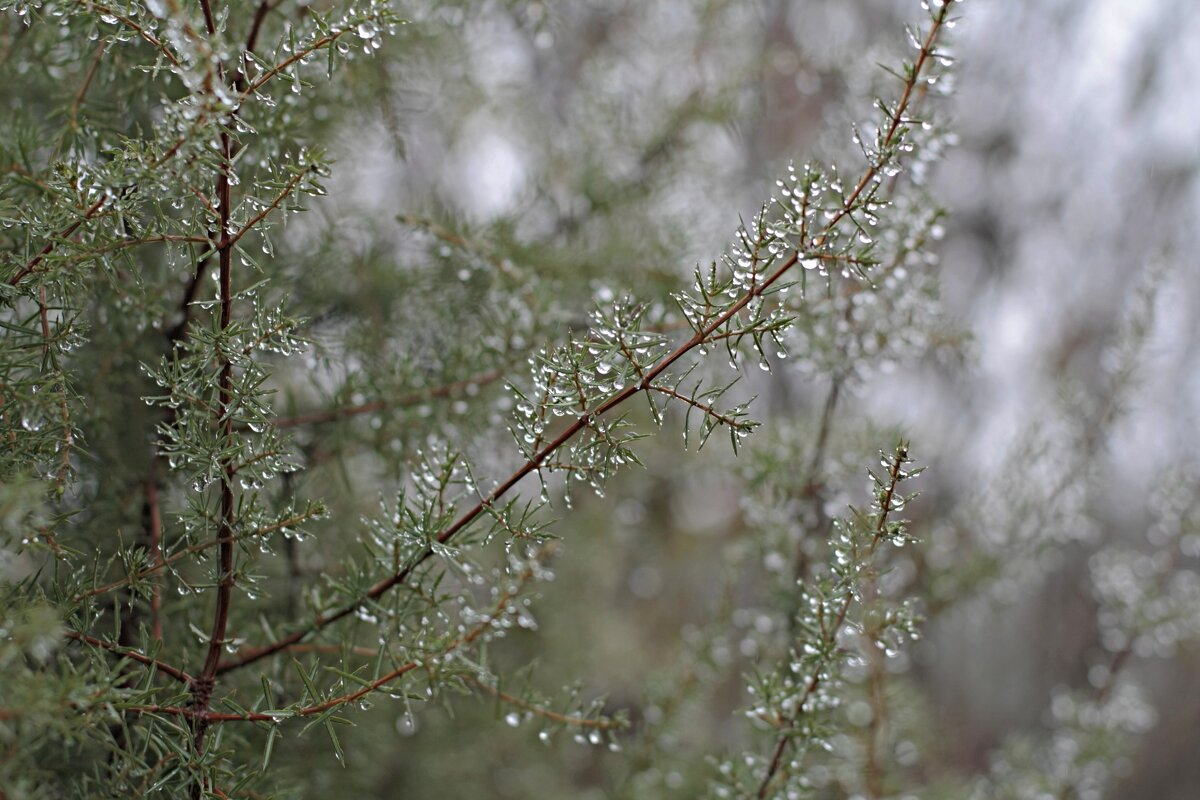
(267, 470)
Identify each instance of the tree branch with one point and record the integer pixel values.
(830, 634)
(32, 264)
(498, 611)
(583, 421)
(132, 655)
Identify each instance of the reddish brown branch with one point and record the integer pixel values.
(32, 264)
(132, 655)
(585, 420)
(223, 419)
(530, 466)
(185, 305)
(77, 103)
(225, 422)
(319, 44)
(154, 41)
(44, 316)
(210, 23)
(704, 408)
(571, 720)
(498, 611)
(206, 716)
(537, 710)
(231, 239)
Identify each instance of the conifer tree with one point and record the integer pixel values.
(275, 467)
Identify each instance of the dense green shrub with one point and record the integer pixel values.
(279, 487)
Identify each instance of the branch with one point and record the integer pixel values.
(189, 551)
(177, 332)
(131, 654)
(125, 244)
(531, 465)
(77, 103)
(210, 23)
(154, 41)
(709, 411)
(299, 55)
(584, 420)
(830, 634)
(132, 242)
(32, 264)
(599, 724)
(231, 239)
(223, 422)
(498, 611)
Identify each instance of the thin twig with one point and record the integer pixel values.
(179, 331)
(831, 632)
(154, 41)
(570, 720)
(231, 239)
(300, 55)
(32, 264)
(44, 316)
(131, 654)
(77, 103)
(498, 611)
(707, 410)
(179, 555)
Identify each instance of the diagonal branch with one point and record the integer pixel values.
(231, 239)
(132, 655)
(584, 420)
(499, 609)
(32, 264)
(133, 25)
(299, 55)
(537, 710)
(716, 416)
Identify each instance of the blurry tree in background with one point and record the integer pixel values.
(366, 500)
